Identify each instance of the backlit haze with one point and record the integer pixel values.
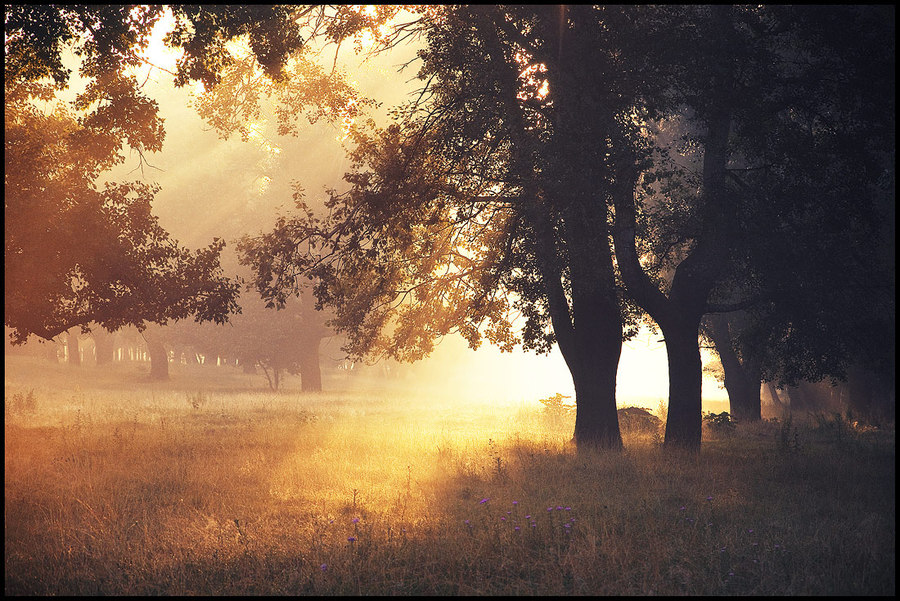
(212, 187)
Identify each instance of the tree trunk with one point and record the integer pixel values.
(103, 345)
(776, 399)
(159, 360)
(742, 380)
(72, 347)
(51, 347)
(593, 364)
(310, 371)
(683, 423)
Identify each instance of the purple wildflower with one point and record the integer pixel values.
(354, 520)
(483, 501)
(324, 567)
(351, 539)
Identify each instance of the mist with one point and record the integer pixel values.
(210, 441)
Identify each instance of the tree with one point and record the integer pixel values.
(278, 341)
(792, 125)
(478, 203)
(128, 270)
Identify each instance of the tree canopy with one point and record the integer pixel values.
(77, 252)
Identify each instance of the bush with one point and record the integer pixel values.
(719, 423)
(637, 420)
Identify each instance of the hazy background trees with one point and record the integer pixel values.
(739, 157)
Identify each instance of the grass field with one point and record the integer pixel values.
(210, 485)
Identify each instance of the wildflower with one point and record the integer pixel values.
(324, 567)
(483, 501)
(503, 518)
(528, 517)
(351, 539)
(467, 522)
(682, 508)
(750, 531)
(549, 509)
(355, 520)
(568, 509)
(515, 502)
(517, 528)
(709, 498)
(509, 513)
(559, 508)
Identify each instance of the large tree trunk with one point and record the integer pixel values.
(593, 362)
(683, 423)
(159, 359)
(72, 347)
(742, 379)
(310, 371)
(103, 345)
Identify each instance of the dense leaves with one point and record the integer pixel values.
(78, 252)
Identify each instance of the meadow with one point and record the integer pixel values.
(211, 485)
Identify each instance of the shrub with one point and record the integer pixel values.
(719, 423)
(637, 420)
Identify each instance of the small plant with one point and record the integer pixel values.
(556, 406)
(789, 438)
(720, 423)
(197, 401)
(23, 402)
(833, 426)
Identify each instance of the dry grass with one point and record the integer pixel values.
(202, 486)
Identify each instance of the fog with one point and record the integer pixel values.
(212, 187)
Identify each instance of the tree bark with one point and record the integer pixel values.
(310, 370)
(683, 423)
(594, 376)
(103, 345)
(742, 379)
(592, 349)
(159, 360)
(74, 356)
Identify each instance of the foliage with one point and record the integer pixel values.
(21, 403)
(720, 423)
(639, 420)
(127, 270)
(555, 406)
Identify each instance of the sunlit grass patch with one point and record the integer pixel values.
(139, 491)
